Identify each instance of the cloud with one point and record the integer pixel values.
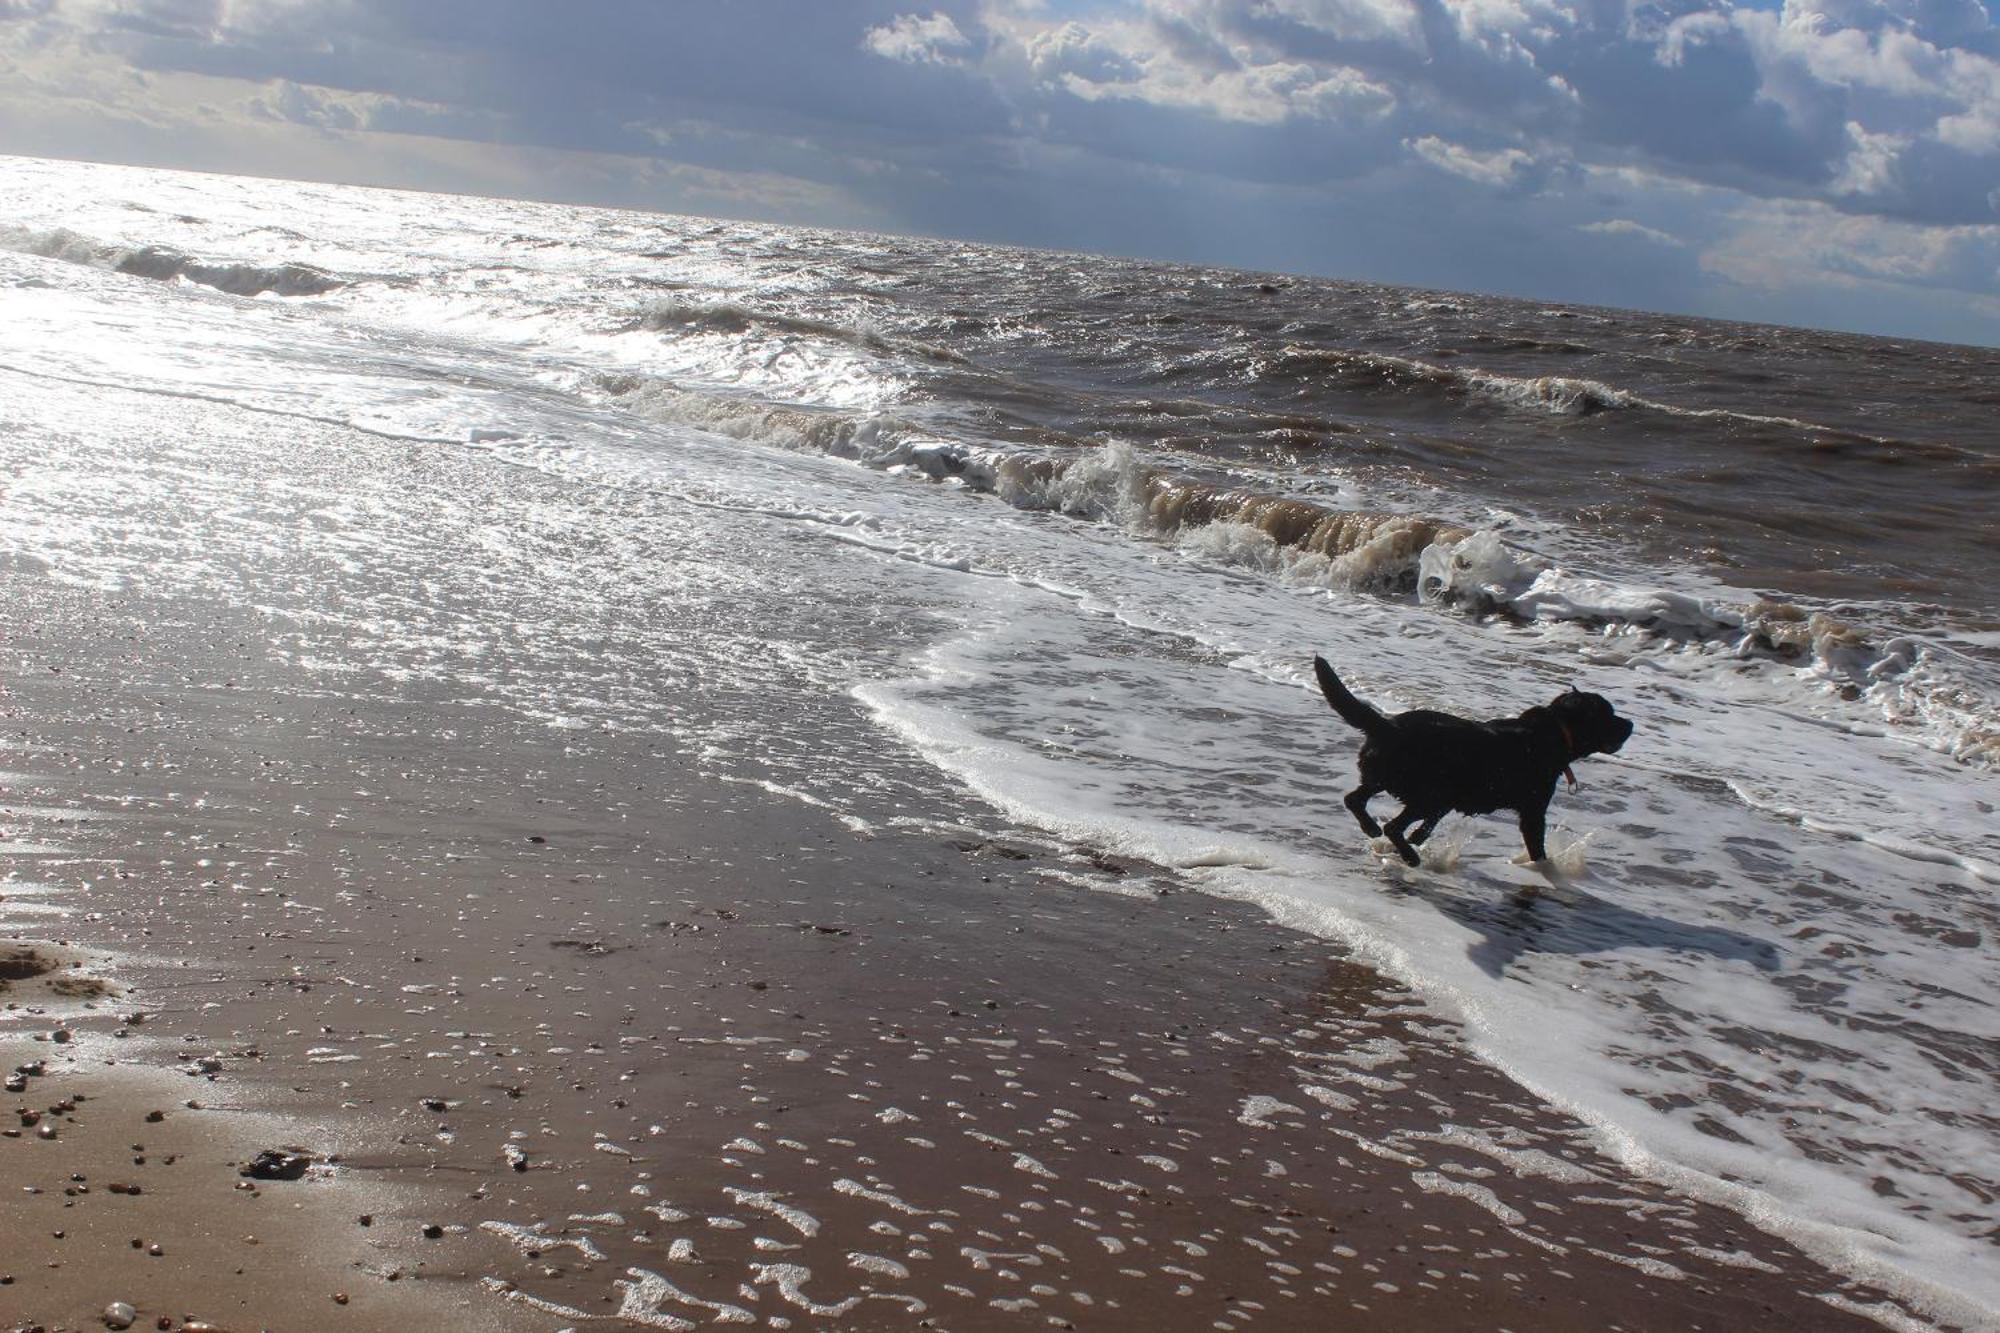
(915, 41)
(1627, 227)
(1792, 243)
(1398, 22)
(1499, 167)
(1169, 61)
(1887, 107)
(289, 101)
(1072, 52)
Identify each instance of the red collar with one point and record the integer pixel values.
(1569, 752)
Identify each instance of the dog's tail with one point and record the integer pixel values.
(1352, 711)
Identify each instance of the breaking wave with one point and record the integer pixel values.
(1309, 541)
(1450, 566)
(733, 318)
(1915, 683)
(1556, 395)
(163, 264)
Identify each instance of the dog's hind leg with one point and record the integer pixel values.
(1357, 801)
(1424, 830)
(1394, 829)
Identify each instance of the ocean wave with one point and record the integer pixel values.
(1448, 565)
(1515, 342)
(878, 440)
(1915, 684)
(1560, 395)
(1556, 395)
(165, 265)
(1357, 549)
(236, 279)
(736, 319)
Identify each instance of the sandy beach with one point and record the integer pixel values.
(575, 1037)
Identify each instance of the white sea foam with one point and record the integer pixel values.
(798, 1219)
(1430, 1182)
(790, 1280)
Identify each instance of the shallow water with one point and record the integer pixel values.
(1072, 528)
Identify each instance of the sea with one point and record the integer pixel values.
(1060, 534)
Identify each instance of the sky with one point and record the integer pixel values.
(1833, 163)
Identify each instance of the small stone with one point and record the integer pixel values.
(340, 1298)
(433, 1231)
(155, 1117)
(45, 1131)
(156, 1249)
(61, 1036)
(119, 1315)
(277, 1164)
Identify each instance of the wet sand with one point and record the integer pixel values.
(573, 1035)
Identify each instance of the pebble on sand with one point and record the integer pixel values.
(277, 1164)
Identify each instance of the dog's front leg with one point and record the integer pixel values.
(1534, 829)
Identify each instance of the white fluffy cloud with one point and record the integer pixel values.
(1500, 167)
(934, 39)
(1170, 60)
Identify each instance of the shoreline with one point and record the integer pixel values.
(752, 1063)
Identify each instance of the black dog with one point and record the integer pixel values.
(1436, 763)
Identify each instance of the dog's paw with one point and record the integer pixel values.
(1439, 855)
(1566, 858)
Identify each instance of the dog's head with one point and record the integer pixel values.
(1590, 724)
